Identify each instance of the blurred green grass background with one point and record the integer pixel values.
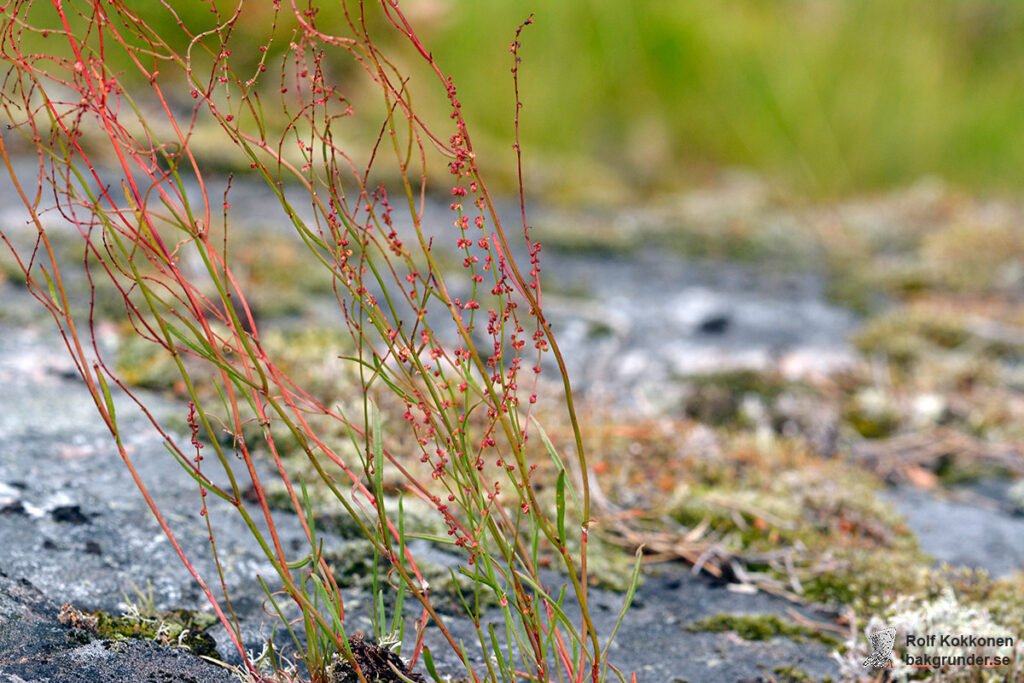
(828, 96)
(625, 98)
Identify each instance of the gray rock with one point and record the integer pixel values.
(76, 530)
(35, 647)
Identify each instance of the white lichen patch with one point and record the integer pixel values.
(945, 629)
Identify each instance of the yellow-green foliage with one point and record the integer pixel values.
(353, 566)
(904, 335)
(758, 627)
(9, 269)
(792, 674)
(844, 95)
(278, 275)
(171, 627)
(314, 357)
(717, 398)
(871, 413)
(909, 334)
(837, 96)
(848, 547)
(975, 255)
(142, 363)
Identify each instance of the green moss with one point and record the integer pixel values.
(943, 332)
(848, 547)
(77, 636)
(591, 243)
(872, 413)
(953, 471)
(10, 271)
(970, 254)
(145, 364)
(327, 517)
(717, 398)
(759, 627)
(821, 506)
(867, 581)
(108, 297)
(853, 292)
(903, 337)
(312, 357)
(905, 279)
(908, 334)
(791, 674)
(353, 567)
(170, 627)
(331, 516)
(734, 528)
(279, 274)
(871, 426)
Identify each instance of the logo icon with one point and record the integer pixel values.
(881, 648)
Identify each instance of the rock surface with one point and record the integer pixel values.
(987, 535)
(76, 530)
(35, 647)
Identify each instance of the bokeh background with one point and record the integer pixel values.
(624, 99)
(824, 98)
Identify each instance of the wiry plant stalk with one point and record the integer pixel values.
(450, 356)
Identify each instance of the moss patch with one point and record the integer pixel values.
(181, 628)
(354, 566)
(782, 497)
(759, 627)
(142, 363)
(170, 627)
(718, 398)
(872, 413)
(791, 674)
(279, 274)
(907, 334)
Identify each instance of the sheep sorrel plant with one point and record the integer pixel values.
(124, 110)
